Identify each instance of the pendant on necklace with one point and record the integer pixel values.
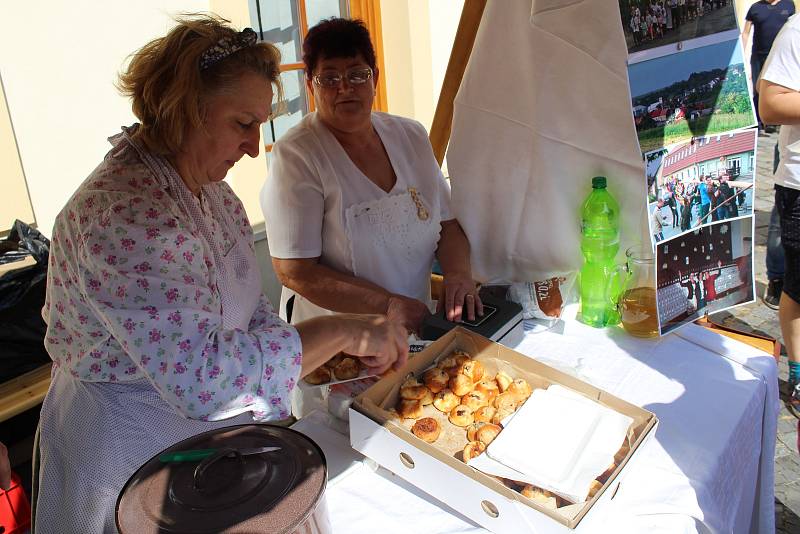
(422, 213)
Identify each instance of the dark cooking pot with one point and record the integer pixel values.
(229, 492)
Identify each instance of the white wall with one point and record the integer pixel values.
(58, 61)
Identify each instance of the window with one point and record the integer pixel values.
(285, 23)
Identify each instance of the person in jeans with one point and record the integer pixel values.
(779, 90)
(765, 18)
(705, 200)
(774, 256)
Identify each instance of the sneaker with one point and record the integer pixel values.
(793, 404)
(772, 293)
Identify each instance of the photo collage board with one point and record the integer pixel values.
(692, 107)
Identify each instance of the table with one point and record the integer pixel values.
(709, 468)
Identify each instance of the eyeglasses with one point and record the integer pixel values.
(333, 79)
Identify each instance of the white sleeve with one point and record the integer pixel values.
(293, 204)
(783, 64)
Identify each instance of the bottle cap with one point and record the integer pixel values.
(599, 182)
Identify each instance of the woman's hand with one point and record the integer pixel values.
(408, 312)
(379, 342)
(460, 294)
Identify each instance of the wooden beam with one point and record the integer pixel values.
(24, 392)
(459, 56)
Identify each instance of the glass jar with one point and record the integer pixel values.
(638, 301)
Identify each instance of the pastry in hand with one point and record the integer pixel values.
(506, 401)
(473, 449)
(347, 369)
(472, 430)
(460, 385)
(409, 409)
(446, 400)
(472, 369)
(540, 496)
(461, 416)
(487, 433)
(484, 414)
(520, 389)
(436, 379)
(488, 386)
(427, 429)
(503, 381)
(474, 400)
(320, 375)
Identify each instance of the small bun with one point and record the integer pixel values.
(410, 381)
(594, 487)
(540, 496)
(347, 369)
(488, 386)
(472, 430)
(472, 369)
(446, 400)
(436, 379)
(503, 381)
(413, 392)
(520, 389)
(506, 402)
(427, 429)
(409, 409)
(461, 416)
(475, 400)
(500, 415)
(336, 360)
(460, 356)
(320, 375)
(473, 449)
(460, 385)
(427, 398)
(487, 433)
(484, 414)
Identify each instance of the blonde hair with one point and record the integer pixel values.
(169, 91)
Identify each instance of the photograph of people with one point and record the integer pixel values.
(156, 321)
(709, 178)
(704, 271)
(652, 23)
(697, 92)
(355, 204)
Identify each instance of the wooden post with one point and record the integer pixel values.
(459, 56)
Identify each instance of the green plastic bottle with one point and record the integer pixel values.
(599, 244)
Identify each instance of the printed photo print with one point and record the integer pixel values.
(697, 92)
(703, 181)
(653, 23)
(704, 271)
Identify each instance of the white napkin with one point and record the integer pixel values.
(559, 441)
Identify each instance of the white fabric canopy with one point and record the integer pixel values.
(543, 107)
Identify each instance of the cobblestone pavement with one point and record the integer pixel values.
(757, 317)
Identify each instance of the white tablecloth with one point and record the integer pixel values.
(709, 468)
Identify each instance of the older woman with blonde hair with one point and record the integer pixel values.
(157, 324)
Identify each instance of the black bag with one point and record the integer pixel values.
(22, 292)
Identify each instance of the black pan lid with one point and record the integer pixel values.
(269, 492)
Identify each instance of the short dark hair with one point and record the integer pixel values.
(337, 37)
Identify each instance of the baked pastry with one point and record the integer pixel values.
(506, 402)
(484, 414)
(460, 385)
(473, 449)
(427, 429)
(475, 400)
(471, 369)
(461, 416)
(540, 496)
(427, 398)
(446, 400)
(414, 392)
(333, 362)
(499, 415)
(436, 379)
(410, 380)
(347, 369)
(594, 487)
(488, 386)
(409, 409)
(472, 430)
(487, 433)
(460, 356)
(607, 473)
(520, 389)
(320, 375)
(503, 381)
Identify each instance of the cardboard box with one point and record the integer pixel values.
(482, 498)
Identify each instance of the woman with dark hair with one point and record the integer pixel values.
(356, 206)
(156, 321)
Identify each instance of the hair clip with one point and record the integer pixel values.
(227, 46)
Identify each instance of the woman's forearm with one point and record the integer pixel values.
(329, 288)
(453, 250)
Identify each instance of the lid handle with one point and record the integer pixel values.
(203, 467)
